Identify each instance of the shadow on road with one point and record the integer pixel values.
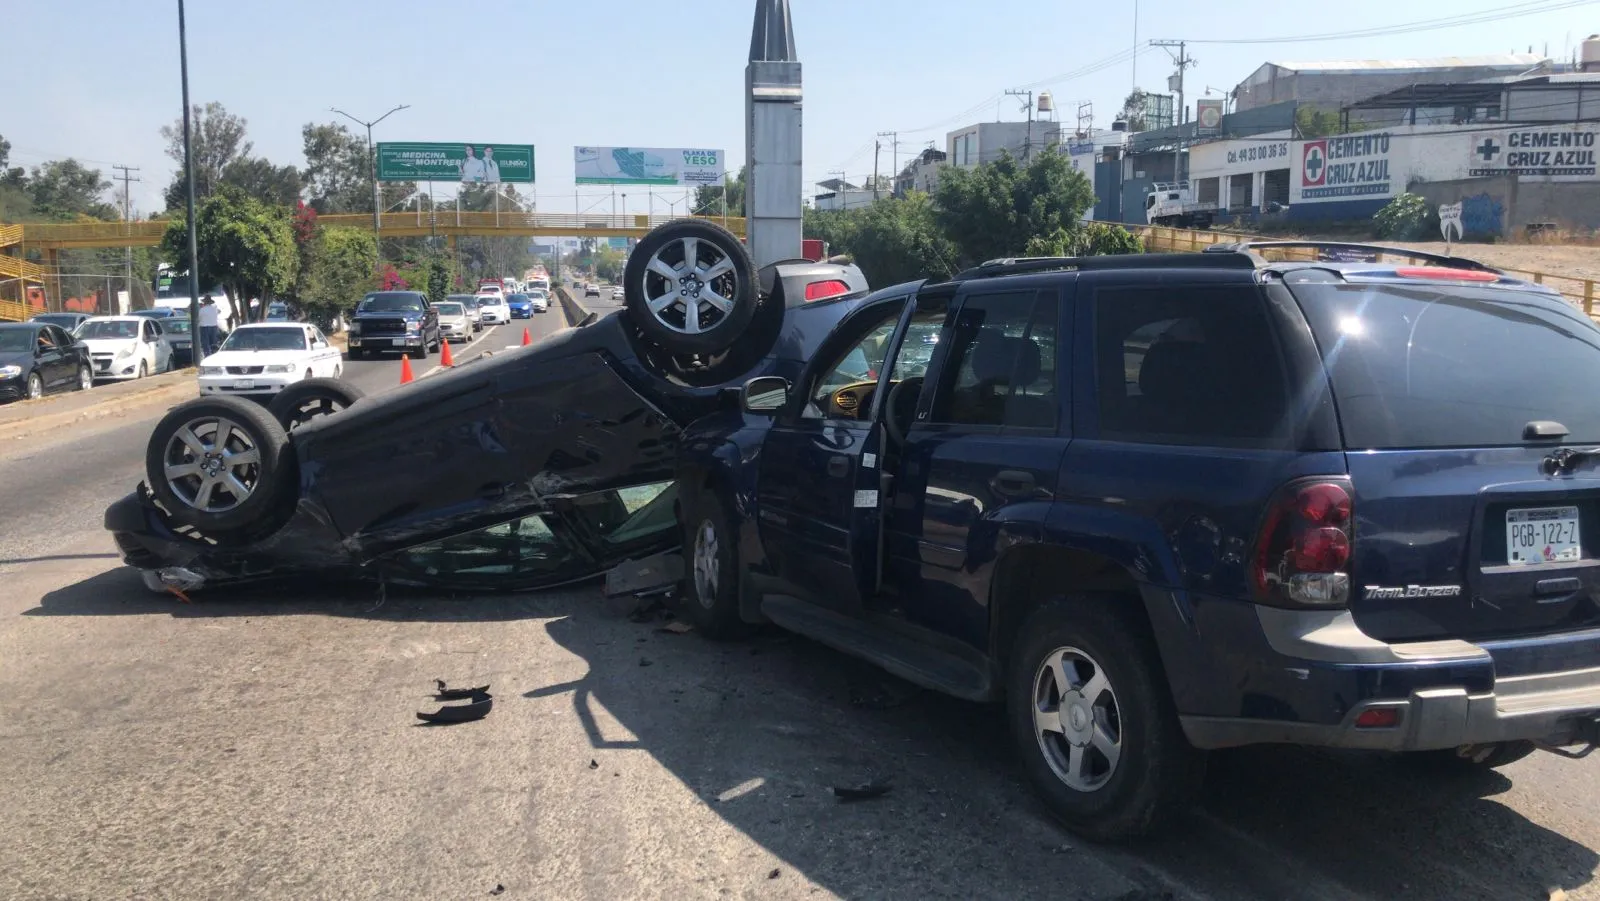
(762, 731)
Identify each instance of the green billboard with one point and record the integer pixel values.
(486, 164)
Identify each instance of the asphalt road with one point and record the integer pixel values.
(262, 744)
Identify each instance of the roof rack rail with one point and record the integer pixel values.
(1247, 247)
(1023, 265)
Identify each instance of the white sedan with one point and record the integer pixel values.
(264, 358)
(494, 309)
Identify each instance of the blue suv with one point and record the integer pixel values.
(1162, 504)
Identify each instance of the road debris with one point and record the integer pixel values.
(875, 788)
(446, 693)
(594, 764)
(677, 627)
(478, 707)
(498, 889)
(773, 874)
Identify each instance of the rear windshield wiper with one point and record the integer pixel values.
(1564, 460)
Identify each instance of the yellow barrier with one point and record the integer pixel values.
(148, 233)
(15, 267)
(1581, 292)
(11, 311)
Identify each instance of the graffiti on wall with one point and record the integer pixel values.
(1482, 214)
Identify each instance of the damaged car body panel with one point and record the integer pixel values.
(533, 467)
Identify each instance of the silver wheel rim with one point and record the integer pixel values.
(212, 465)
(690, 285)
(35, 387)
(1076, 719)
(85, 379)
(706, 567)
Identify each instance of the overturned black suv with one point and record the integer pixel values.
(554, 461)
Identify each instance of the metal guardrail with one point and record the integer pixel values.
(1581, 292)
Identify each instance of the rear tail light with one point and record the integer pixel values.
(1302, 555)
(1443, 273)
(824, 290)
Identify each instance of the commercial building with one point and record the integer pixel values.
(1332, 84)
(921, 174)
(986, 142)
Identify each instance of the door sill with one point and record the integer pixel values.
(913, 653)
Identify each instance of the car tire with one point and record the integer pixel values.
(671, 328)
(310, 399)
(711, 548)
(420, 352)
(85, 378)
(144, 369)
(176, 464)
(35, 386)
(1122, 704)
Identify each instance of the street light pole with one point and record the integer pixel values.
(188, 168)
(372, 155)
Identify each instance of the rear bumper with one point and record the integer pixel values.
(1308, 677)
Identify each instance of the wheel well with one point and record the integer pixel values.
(1033, 574)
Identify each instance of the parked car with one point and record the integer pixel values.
(68, 322)
(394, 320)
(493, 310)
(260, 359)
(454, 323)
(181, 337)
(469, 303)
(125, 347)
(539, 300)
(39, 358)
(520, 306)
(277, 311)
(162, 313)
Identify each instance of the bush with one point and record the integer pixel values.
(1087, 240)
(1406, 218)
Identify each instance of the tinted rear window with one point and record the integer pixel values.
(1422, 366)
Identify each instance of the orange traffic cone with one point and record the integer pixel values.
(444, 355)
(527, 337)
(405, 370)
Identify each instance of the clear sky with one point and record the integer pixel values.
(98, 78)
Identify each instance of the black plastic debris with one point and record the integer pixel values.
(645, 661)
(498, 889)
(478, 707)
(877, 788)
(446, 693)
(594, 764)
(773, 874)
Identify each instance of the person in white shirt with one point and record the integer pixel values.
(471, 168)
(491, 169)
(209, 326)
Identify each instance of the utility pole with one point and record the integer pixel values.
(894, 152)
(372, 155)
(1028, 147)
(127, 224)
(876, 146)
(1183, 61)
(188, 170)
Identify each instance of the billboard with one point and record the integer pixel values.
(1536, 151)
(1208, 115)
(486, 164)
(646, 166)
(1345, 167)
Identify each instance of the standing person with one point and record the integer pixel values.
(471, 167)
(209, 320)
(491, 169)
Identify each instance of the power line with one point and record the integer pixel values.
(1488, 15)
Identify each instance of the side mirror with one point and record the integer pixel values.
(766, 394)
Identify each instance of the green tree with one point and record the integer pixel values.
(1406, 218)
(708, 198)
(836, 228)
(66, 189)
(343, 260)
(270, 184)
(1135, 110)
(338, 173)
(10, 176)
(1315, 122)
(218, 139)
(608, 264)
(438, 278)
(898, 239)
(1087, 240)
(245, 246)
(994, 209)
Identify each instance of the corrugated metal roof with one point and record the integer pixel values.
(1517, 61)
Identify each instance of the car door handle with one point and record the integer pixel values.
(1013, 481)
(838, 467)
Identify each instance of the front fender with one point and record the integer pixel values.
(720, 455)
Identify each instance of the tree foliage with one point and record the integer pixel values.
(218, 139)
(993, 210)
(67, 189)
(1406, 218)
(836, 228)
(1089, 239)
(1315, 122)
(244, 245)
(898, 239)
(1136, 110)
(341, 270)
(708, 198)
(270, 184)
(438, 278)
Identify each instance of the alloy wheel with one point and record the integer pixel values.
(212, 464)
(1076, 719)
(707, 563)
(690, 285)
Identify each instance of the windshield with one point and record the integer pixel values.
(108, 328)
(1427, 366)
(449, 309)
(390, 303)
(13, 340)
(519, 298)
(175, 325)
(488, 300)
(266, 339)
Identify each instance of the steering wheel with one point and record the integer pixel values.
(901, 407)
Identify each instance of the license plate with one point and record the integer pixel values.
(244, 384)
(1542, 535)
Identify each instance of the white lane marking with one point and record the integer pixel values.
(468, 346)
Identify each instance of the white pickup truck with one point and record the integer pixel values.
(1173, 204)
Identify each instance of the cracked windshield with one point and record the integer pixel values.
(1128, 454)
